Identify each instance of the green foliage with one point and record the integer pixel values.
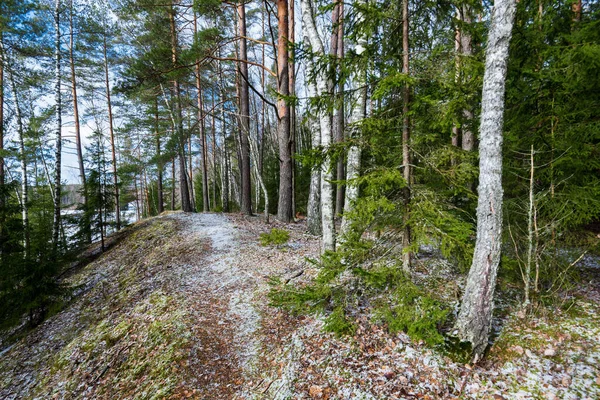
(342, 287)
(411, 310)
(275, 237)
(28, 283)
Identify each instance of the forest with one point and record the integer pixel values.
(375, 175)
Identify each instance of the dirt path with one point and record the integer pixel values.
(171, 311)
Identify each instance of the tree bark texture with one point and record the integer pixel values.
(324, 87)
(292, 86)
(75, 103)
(406, 159)
(23, 159)
(113, 148)
(186, 204)
(246, 187)
(2, 59)
(205, 205)
(475, 316)
(354, 152)
(338, 118)
(159, 165)
(313, 212)
(284, 206)
(58, 111)
(466, 50)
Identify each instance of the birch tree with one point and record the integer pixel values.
(475, 316)
(313, 212)
(324, 85)
(23, 159)
(358, 114)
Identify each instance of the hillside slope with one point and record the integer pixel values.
(167, 312)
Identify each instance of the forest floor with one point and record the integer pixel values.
(178, 308)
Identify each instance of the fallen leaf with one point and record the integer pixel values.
(550, 352)
(315, 391)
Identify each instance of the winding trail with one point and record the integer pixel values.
(171, 310)
(219, 289)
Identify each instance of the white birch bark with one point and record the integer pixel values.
(323, 89)
(313, 215)
(354, 153)
(261, 183)
(475, 316)
(24, 184)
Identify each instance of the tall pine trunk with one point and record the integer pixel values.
(205, 205)
(284, 206)
(58, 111)
(75, 103)
(338, 117)
(406, 159)
(201, 128)
(475, 316)
(186, 204)
(2, 58)
(111, 131)
(292, 76)
(246, 187)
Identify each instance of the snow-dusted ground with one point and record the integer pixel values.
(178, 308)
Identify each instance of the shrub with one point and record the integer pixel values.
(275, 237)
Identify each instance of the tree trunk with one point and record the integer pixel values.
(339, 115)
(186, 204)
(530, 229)
(284, 206)
(576, 7)
(324, 87)
(475, 316)
(190, 163)
(292, 76)
(468, 136)
(406, 159)
(159, 165)
(113, 148)
(313, 213)
(455, 138)
(358, 114)
(225, 152)
(2, 58)
(76, 114)
(58, 111)
(75, 103)
(173, 185)
(214, 155)
(23, 158)
(246, 192)
(205, 205)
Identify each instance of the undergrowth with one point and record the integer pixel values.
(342, 290)
(275, 237)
